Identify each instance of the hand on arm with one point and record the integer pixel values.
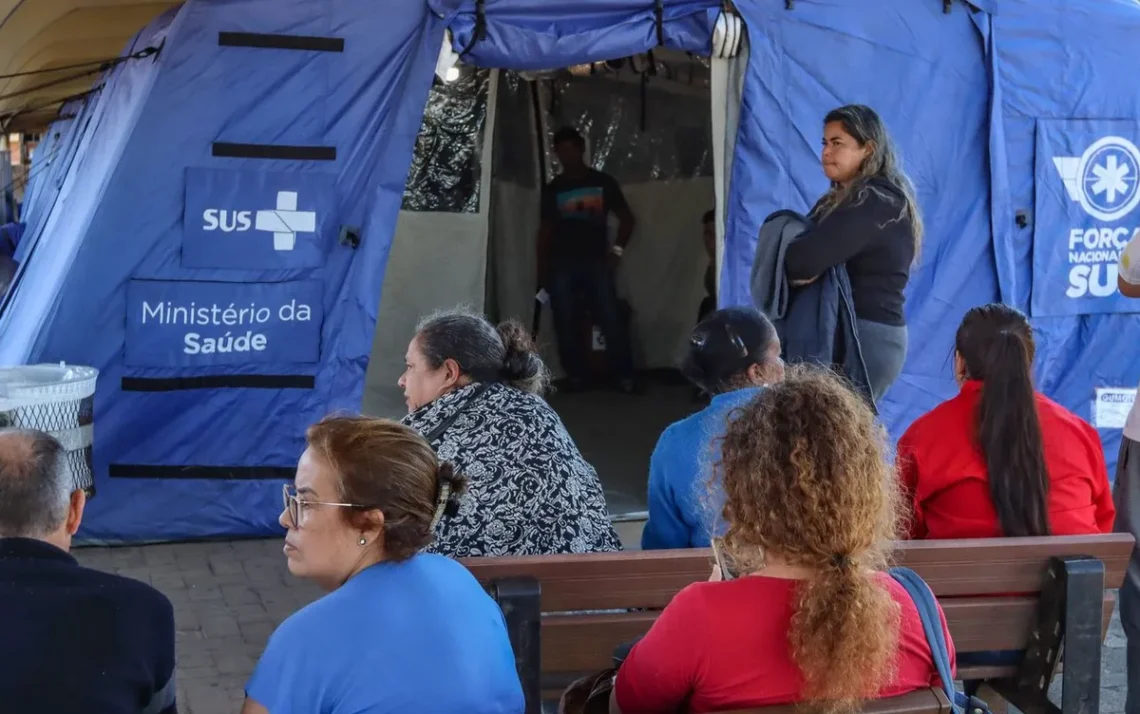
(615, 201)
(833, 241)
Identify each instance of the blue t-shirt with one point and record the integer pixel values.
(421, 635)
(681, 507)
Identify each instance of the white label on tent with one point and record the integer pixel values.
(599, 340)
(1112, 407)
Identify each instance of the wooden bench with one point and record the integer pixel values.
(1066, 600)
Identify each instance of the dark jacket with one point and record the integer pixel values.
(871, 236)
(816, 322)
(80, 641)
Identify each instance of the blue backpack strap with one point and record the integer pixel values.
(927, 606)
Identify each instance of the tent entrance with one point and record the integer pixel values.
(647, 123)
(467, 234)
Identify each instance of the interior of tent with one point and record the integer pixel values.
(470, 220)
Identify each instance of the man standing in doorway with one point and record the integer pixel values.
(1126, 494)
(576, 260)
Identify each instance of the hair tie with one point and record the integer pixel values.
(440, 504)
(841, 561)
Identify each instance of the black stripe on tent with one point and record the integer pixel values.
(215, 473)
(280, 42)
(222, 381)
(272, 151)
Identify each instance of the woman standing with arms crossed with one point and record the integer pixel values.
(869, 222)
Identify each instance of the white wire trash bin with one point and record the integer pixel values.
(58, 399)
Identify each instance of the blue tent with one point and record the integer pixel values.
(189, 245)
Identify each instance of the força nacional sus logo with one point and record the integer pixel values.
(1104, 178)
(284, 221)
(1105, 181)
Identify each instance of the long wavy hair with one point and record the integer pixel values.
(805, 475)
(867, 128)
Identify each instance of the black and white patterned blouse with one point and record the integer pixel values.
(530, 491)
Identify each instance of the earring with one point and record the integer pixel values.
(363, 540)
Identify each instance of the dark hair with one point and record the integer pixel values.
(806, 478)
(485, 353)
(996, 343)
(864, 125)
(724, 345)
(709, 216)
(383, 464)
(569, 134)
(35, 485)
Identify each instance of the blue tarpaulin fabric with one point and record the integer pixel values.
(193, 440)
(1066, 84)
(172, 451)
(534, 34)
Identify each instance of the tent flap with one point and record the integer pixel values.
(533, 35)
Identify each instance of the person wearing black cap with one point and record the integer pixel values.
(733, 354)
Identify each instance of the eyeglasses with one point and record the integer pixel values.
(293, 504)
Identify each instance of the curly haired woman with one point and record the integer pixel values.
(810, 615)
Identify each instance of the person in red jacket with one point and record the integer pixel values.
(805, 612)
(1000, 459)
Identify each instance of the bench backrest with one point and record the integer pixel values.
(989, 590)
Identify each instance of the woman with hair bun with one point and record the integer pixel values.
(807, 613)
(396, 622)
(475, 392)
(733, 354)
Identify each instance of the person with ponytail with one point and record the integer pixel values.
(733, 354)
(808, 614)
(395, 619)
(475, 392)
(1001, 459)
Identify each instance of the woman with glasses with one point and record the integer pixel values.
(475, 392)
(399, 630)
(733, 354)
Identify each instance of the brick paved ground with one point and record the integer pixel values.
(229, 596)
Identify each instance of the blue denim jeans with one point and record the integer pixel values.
(577, 284)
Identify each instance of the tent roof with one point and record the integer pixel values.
(38, 35)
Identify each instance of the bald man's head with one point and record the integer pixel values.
(35, 487)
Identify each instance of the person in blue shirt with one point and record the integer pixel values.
(733, 353)
(399, 630)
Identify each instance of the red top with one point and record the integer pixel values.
(724, 645)
(945, 473)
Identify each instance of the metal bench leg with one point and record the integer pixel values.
(520, 599)
(1069, 617)
(1084, 615)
